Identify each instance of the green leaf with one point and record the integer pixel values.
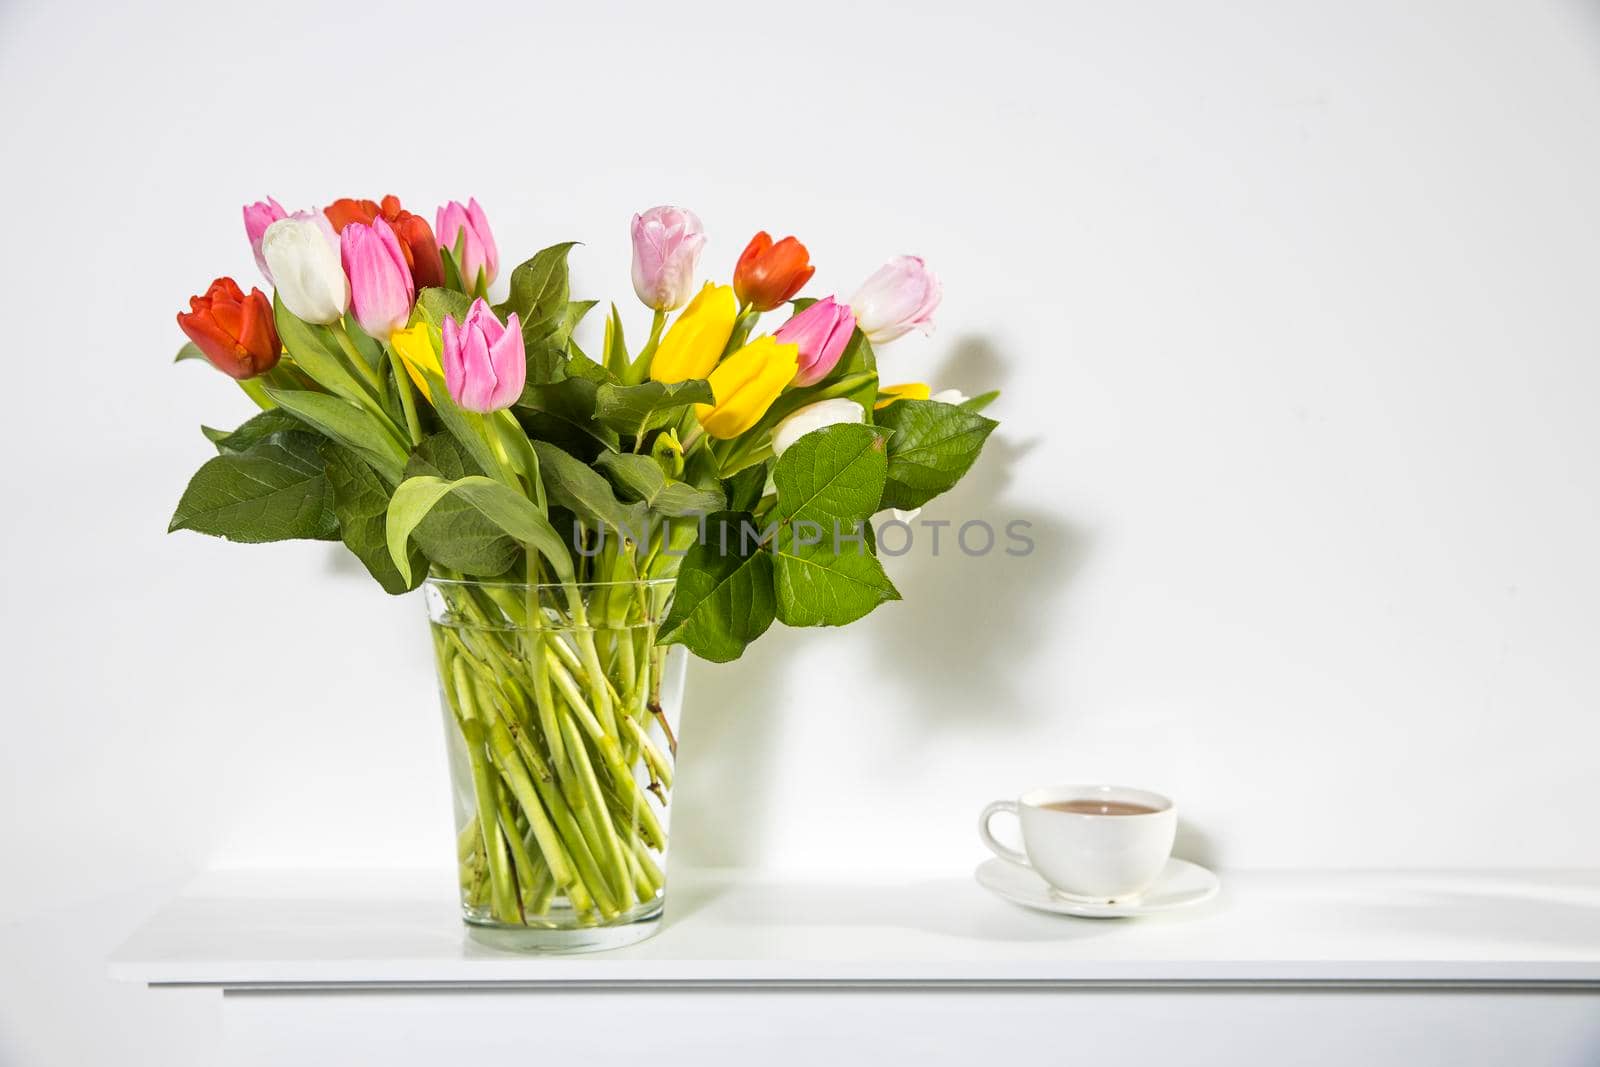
(349, 424)
(857, 357)
(190, 350)
(979, 402)
(857, 363)
(828, 482)
(582, 367)
(256, 428)
(452, 272)
(315, 351)
(370, 348)
(832, 474)
(615, 345)
(455, 534)
(512, 512)
(576, 310)
(642, 479)
(745, 489)
(433, 304)
(547, 365)
(931, 445)
(563, 413)
(539, 293)
(724, 597)
(827, 582)
(575, 485)
(635, 409)
(274, 490)
(361, 502)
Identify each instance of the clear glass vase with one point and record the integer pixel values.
(561, 714)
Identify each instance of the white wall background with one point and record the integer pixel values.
(1294, 307)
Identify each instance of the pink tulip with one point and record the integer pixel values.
(666, 249)
(485, 365)
(899, 297)
(468, 227)
(821, 330)
(381, 289)
(257, 217)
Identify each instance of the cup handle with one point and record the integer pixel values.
(1005, 852)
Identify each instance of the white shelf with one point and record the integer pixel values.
(269, 929)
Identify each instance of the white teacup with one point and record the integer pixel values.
(1089, 853)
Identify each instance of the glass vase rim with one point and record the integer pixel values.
(497, 583)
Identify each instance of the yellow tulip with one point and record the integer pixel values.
(415, 348)
(888, 394)
(745, 385)
(695, 342)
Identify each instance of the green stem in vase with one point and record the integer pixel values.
(621, 779)
(522, 788)
(615, 867)
(535, 682)
(581, 844)
(503, 900)
(527, 871)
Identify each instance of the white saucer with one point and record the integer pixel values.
(1181, 885)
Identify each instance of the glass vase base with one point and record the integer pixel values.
(559, 934)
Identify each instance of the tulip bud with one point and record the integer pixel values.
(814, 417)
(899, 297)
(381, 289)
(745, 385)
(695, 342)
(888, 394)
(303, 254)
(821, 330)
(464, 233)
(485, 364)
(234, 331)
(767, 274)
(667, 242)
(257, 217)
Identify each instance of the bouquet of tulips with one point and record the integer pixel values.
(574, 513)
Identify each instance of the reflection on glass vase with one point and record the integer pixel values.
(561, 712)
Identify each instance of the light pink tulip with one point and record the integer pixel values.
(821, 330)
(667, 242)
(900, 297)
(485, 364)
(257, 217)
(467, 225)
(381, 289)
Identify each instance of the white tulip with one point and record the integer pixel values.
(303, 255)
(815, 417)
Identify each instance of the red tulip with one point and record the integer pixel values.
(233, 330)
(416, 236)
(767, 274)
(344, 211)
(416, 239)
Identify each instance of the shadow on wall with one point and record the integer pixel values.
(964, 620)
(976, 613)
